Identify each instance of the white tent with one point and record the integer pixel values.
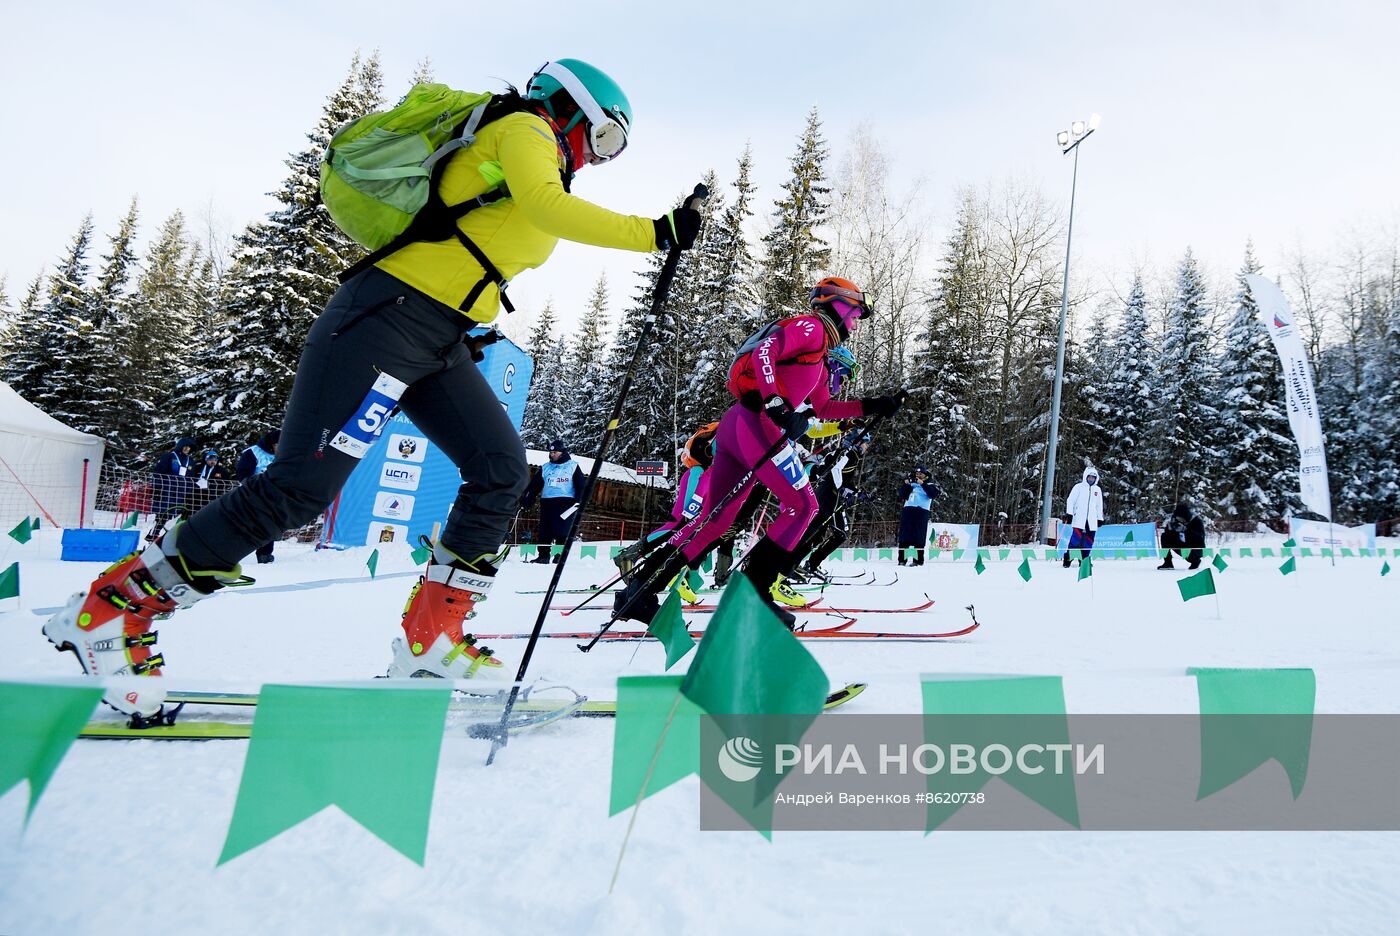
(44, 466)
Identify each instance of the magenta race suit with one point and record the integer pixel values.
(790, 363)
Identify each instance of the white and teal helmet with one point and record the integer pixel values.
(600, 101)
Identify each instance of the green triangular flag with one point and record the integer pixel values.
(1289, 566)
(40, 723)
(1220, 564)
(421, 555)
(372, 563)
(130, 521)
(979, 566)
(1385, 569)
(1251, 716)
(1086, 566)
(372, 752)
(22, 531)
(9, 582)
(1025, 570)
(1289, 543)
(1194, 586)
(987, 710)
(668, 626)
(34, 525)
(1128, 537)
(749, 664)
(651, 711)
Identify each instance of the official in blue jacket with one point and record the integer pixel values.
(917, 493)
(559, 485)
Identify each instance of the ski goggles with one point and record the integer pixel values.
(607, 133)
(855, 297)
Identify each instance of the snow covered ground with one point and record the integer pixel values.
(126, 837)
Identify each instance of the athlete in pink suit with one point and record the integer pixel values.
(779, 386)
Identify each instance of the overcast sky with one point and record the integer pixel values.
(1221, 121)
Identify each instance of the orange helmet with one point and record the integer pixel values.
(700, 447)
(834, 287)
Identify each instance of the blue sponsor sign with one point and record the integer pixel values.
(405, 484)
(1115, 539)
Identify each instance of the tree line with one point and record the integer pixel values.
(1172, 388)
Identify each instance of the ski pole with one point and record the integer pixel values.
(658, 301)
(652, 582)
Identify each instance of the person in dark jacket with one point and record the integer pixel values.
(917, 493)
(559, 485)
(1184, 531)
(254, 461)
(212, 470)
(173, 480)
(835, 485)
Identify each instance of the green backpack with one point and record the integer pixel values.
(379, 175)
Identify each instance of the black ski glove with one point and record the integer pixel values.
(782, 415)
(886, 405)
(677, 229)
(475, 343)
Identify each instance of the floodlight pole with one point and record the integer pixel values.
(1060, 349)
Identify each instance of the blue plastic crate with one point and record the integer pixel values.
(98, 545)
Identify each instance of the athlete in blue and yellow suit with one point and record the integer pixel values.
(393, 337)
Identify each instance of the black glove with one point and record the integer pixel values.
(886, 405)
(782, 415)
(1068, 518)
(677, 230)
(475, 343)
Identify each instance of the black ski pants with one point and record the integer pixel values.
(374, 324)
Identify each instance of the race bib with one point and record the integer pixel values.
(790, 465)
(359, 434)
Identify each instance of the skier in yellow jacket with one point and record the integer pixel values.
(395, 336)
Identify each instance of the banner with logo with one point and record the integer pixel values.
(1302, 401)
(404, 484)
(954, 536)
(1312, 534)
(1115, 539)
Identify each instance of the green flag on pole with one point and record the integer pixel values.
(668, 626)
(1006, 710)
(749, 670)
(1289, 566)
(979, 566)
(9, 582)
(656, 740)
(372, 563)
(371, 752)
(1252, 716)
(130, 521)
(1025, 570)
(22, 531)
(1220, 564)
(1086, 566)
(1385, 569)
(1198, 585)
(421, 555)
(40, 723)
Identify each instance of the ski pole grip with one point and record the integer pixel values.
(696, 197)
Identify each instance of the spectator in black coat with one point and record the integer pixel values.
(253, 461)
(1184, 531)
(211, 470)
(173, 481)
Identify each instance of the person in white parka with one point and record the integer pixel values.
(1085, 506)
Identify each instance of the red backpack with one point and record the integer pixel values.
(742, 379)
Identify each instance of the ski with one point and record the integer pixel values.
(231, 731)
(802, 631)
(812, 607)
(582, 707)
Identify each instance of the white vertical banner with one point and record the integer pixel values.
(1302, 400)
